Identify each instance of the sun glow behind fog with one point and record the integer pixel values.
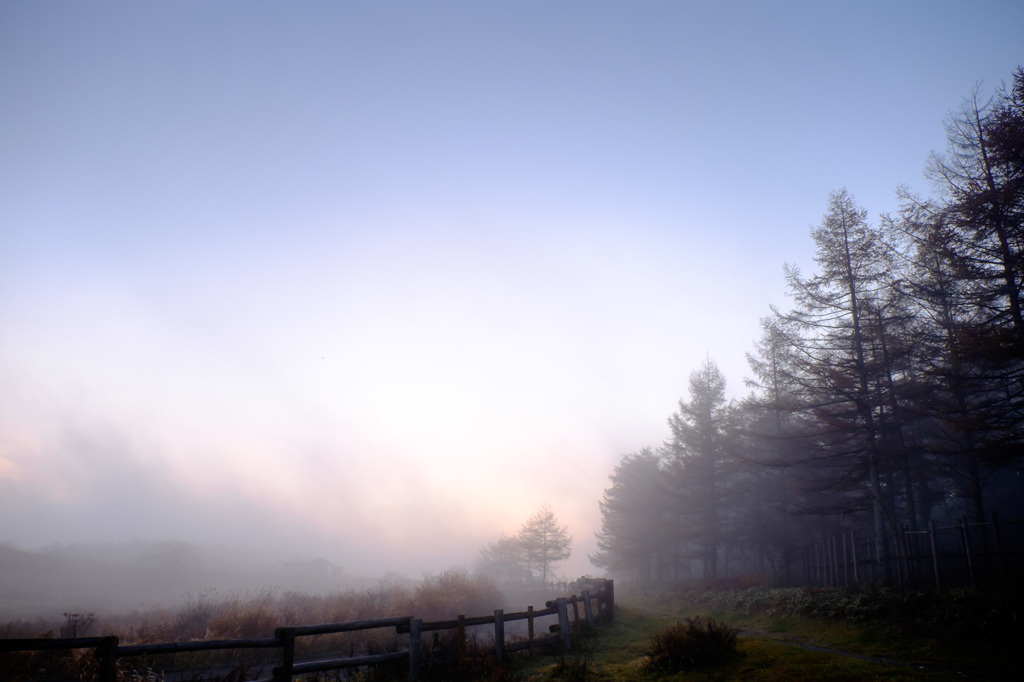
(423, 390)
(452, 271)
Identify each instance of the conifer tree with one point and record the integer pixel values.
(833, 311)
(697, 453)
(632, 540)
(544, 542)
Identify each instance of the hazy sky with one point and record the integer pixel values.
(374, 281)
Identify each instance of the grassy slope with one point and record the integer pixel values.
(769, 652)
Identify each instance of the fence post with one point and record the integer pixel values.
(529, 628)
(414, 649)
(819, 573)
(575, 613)
(853, 552)
(609, 597)
(283, 673)
(563, 621)
(874, 560)
(913, 555)
(846, 562)
(823, 558)
(462, 637)
(835, 561)
(897, 538)
(935, 550)
(999, 547)
(588, 608)
(106, 655)
(965, 540)
(499, 636)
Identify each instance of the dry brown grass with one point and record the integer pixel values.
(244, 615)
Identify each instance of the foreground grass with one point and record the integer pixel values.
(968, 630)
(812, 635)
(618, 652)
(954, 634)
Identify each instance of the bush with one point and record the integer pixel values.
(694, 642)
(453, 592)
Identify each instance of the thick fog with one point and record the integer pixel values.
(370, 286)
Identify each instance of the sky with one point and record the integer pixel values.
(375, 281)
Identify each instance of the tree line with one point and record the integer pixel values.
(890, 394)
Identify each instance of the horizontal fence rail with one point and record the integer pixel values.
(598, 605)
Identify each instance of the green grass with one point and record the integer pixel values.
(956, 630)
(936, 635)
(619, 652)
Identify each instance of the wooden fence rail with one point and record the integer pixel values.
(598, 606)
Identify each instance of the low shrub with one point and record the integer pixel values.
(694, 642)
(957, 615)
(453, 592)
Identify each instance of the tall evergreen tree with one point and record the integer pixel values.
(633, 518)
(981, 183)
(779, 437)
(503, 560)
(833, 310)
(544, 542)
(697, 450)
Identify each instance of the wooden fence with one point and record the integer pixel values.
(938, 556)
(598, 605)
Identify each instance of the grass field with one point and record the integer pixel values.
(784, 634)
(954, 635)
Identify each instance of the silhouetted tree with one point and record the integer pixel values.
(833, 310)
(503, 560)
(779, 436)
(981, 184)
(892, 389)
(696, 454)
(633, 519)
(544, 542)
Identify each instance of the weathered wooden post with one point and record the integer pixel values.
(897, 540)
(826, 564)
(588, 608)
(935, 551)
(965, 540)
(835, 561)
(562, 604)
(853, 555)
(106, 655)
(874, 560)
(414, 649)
(462, 637)
(575, 613)
(846, 563)
(529, 628)
(999, 547)
(499, 636)
(905, 549)
(609, 597)
(283, 673)
(819, 566)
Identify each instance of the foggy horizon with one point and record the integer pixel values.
(375, 284)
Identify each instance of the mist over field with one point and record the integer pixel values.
(117, 579)
(306, 298)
